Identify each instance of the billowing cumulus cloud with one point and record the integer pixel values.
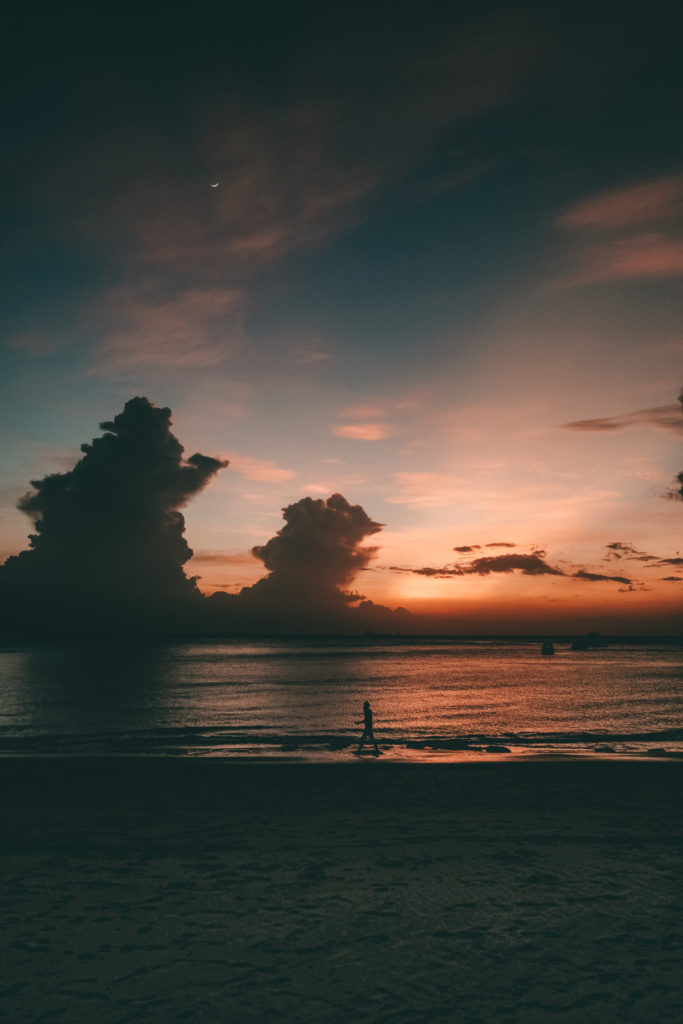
(311, 563)
(315, 556)
(109, 547)
(109, 552)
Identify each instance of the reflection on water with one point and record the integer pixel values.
(213, 696)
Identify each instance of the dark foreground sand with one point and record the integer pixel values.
(169, 890)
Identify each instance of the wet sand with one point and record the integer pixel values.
(197, 890)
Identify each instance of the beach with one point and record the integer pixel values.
(170, 889)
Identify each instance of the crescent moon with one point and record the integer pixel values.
(216, 185)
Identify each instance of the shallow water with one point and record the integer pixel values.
(294, 699)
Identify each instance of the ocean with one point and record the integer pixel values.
(433, 699)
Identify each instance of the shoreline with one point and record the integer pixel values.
(416, 755)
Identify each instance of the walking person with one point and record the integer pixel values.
(368, 734)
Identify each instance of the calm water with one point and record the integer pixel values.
(302, 699)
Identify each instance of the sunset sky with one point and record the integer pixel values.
(430, 261)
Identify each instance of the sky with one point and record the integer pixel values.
(427, 258)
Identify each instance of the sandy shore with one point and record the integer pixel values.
(171, 890)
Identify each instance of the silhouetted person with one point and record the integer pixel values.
(367, 731)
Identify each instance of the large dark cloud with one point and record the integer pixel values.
(311, 562)
(108, 551)
(109, 548)
(319, 549)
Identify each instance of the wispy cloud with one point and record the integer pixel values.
(619, 549)
(649, 255)
(312, 355)
(364, 431)
(656, 200)
(596, 577)
(665, 417)
(633, 232)
(262, 470)
(198, 327)
(221, 558)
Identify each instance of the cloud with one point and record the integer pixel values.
(617, 549)
(606, 244)
(594, 577)
(665, 417)
(467, 548)
(109, 548)
(440, 573)
(193, 328)
(244, 558)
(429, 489)
(296, 166)
(311, 356)
(318, 551)
(656, 200)
(364, 431)
(262, 470)
(672, 579)
(499, 544)
(670, 561)
(649, 255)
(529, 565)
(311, 562)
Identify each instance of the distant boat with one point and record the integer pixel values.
(547, 647)
(589, 642)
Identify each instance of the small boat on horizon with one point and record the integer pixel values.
(589, 642)
(547, 647)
